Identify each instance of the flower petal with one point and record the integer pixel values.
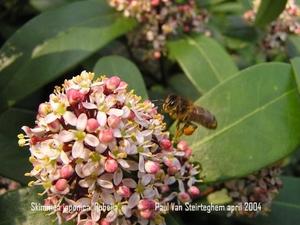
(129, 182)
(77, 149)
(88, 168)
(117, 112)
(89, 105)
(50, 118)
(105, 183)
(107, 198)
(65, 136)
(91, 140)
(101, 118)
(96, 213)
(111, 216)
(64, 158)
(133, 200)
(118, 176)
(70, 118)
(81, 121)
(127, 212)
(123, 163)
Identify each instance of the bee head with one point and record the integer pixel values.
(170, 102)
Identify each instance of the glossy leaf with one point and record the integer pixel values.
(20, 207)
(125, 69)
(268, 11)
(205, 3)
(170, 220)
(228, 7)
(14, 159)
(239, 29)
(293, 46)
(203, 61)
(296, 69)
(247, 4)
(177, 82)
(44, 5)
(52, 43)
(258, 123)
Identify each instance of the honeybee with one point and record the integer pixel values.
(186, 112)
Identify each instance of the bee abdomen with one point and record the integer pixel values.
(204, 117)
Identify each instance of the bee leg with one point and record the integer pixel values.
(179, 131)
(189, 128)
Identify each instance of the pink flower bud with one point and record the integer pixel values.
(194, 191)
(123, 191)
(172, 170)
(61, 184)
(92, 125)
(122, 86)
(182, 145)
(151, 167)
(54, 126)
(256, 190)
(152, 204)
(47, 201)
(143, 204)
(264, 191)
(106, 136)
(184, 197)
(111, 165)
(155, 2)
(66, 171)
(147, 214)
(156, 55)
(113, 83)
(164, 189)
(168, 162)
(104, 221)
(188, 153)
(74, 96)
(131, 115)
(165, 143)
(113, 121)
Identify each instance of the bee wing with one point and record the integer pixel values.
(203, 117)
(198, 112)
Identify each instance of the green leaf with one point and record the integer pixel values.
(12, 156)
(170, 220)
(296, 69)
(203, 61)
(204, 3)
(285, 207)
(247, 4)
(228, 7)
(258, 123)
(293, 46)
(178, 81)
(18, 207)
(268, 11)
(125, 69)
(44, 5)
(239, 29)
(54, 42)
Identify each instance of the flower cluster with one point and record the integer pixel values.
(260, 188)
(102, 155)
(274, 41)
(160, 18)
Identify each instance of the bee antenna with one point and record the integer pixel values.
(156, 100)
